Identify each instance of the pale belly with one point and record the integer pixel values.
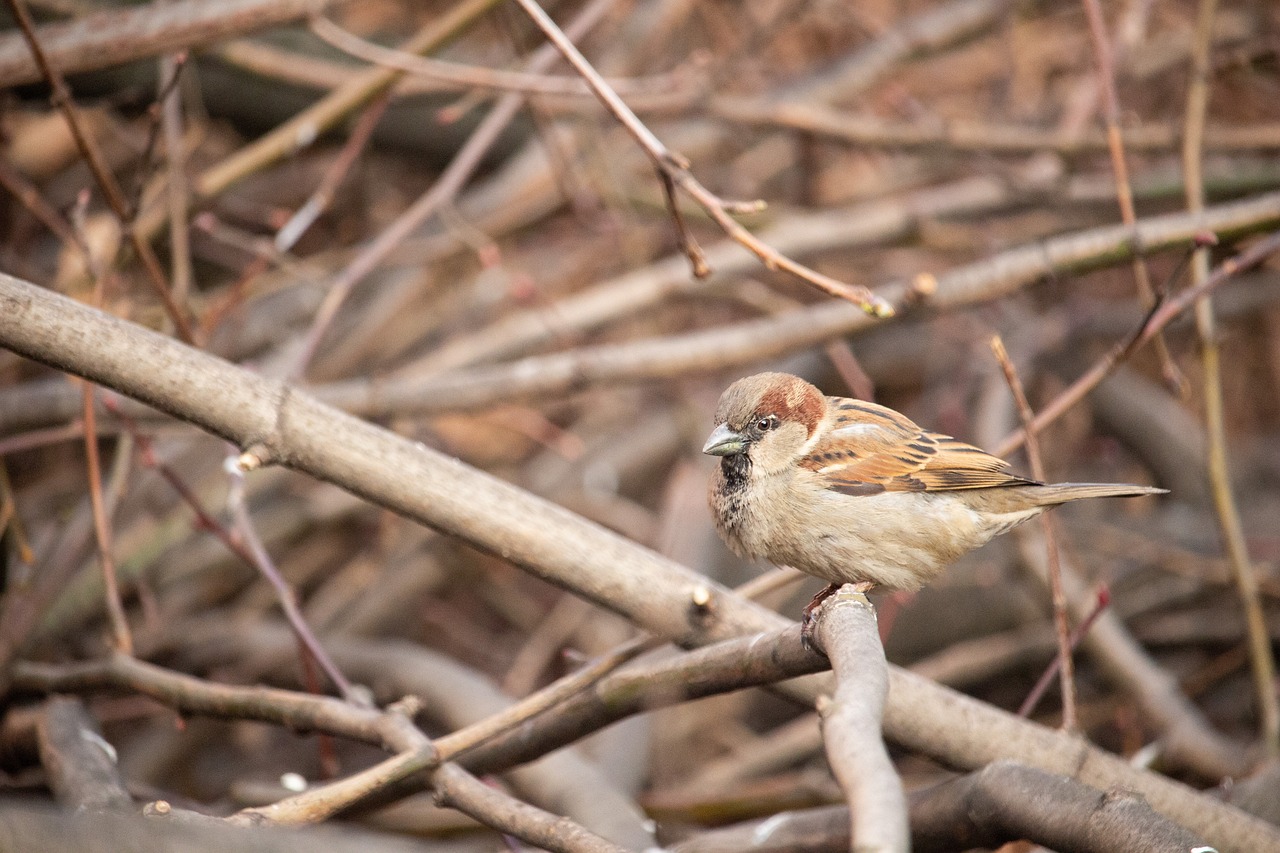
(898, 540)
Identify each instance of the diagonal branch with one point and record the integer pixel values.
(674, 170)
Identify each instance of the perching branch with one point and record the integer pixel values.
(845, 628)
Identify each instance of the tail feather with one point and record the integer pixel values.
(1060, 493)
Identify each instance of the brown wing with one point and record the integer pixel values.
(871, 449)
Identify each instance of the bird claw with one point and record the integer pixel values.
(806, 636)
(807, 620)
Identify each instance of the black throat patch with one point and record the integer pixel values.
(736, 469)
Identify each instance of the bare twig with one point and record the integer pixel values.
(390, 729)
(284, 593)
(176, 156)
(110, 187)
(497, 516)
(307, 126)
(1005, 801)
(450, 182)
(469, 76)
(319, 200)
(1260, 653)
(1160, 317)
(28, 194)
(102, 528)
(673, 169)
(1124, 189)
(1061, 618)
(119, 35)
(1077, 634)
(973, 135)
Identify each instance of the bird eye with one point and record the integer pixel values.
(766, 423)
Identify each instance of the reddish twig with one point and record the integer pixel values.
(102, 528)
(1160, 317)
(1061, 618)
(63, 100)
(673, 170)
(1077, 635)
(1124, 189)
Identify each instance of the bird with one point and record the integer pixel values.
(854, 492)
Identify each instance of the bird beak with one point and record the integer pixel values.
(724, 442)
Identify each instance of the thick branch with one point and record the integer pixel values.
(658, 594)
(103, 39)
(847, 631)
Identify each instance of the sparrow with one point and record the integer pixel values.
(854, 492)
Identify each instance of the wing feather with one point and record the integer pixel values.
(870, 449)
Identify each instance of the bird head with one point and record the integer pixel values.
(769, 419)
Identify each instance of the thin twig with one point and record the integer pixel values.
(1077, 634)
(1061, 618)
(318, 202)
(30, 197)
(170, 95)
(674, 169)
(1124, 189)
(1260, 653)
(1160, 317)
(63, 99)
(308, 125)
(457, 76)
(284, 593)
(443, 191)
(102, 528)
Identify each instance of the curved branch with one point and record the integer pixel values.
(669, 600)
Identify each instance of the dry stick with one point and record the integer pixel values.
(307, 126)
(178, 192)
(1077, 634)
(29, 196)
(459, 742)
(390, 729)
(446, 187)
(1157, 320)
(102, 528)
(759, 659)
(1000, 804)
(969, 135)
(106, 38)
(847, 229)
(751, 341)
(79, 762)
(1006, 801)
(111, 191)
(847, 633)
(284, 593)
(458, 76)
(1260, 653)
(674, 171)
(247, 546)
(318, 202)
(291, 426)
(940, 25)
(1124, 190)
(494, 745)
(1061, 619)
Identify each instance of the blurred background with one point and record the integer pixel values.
(541, 322)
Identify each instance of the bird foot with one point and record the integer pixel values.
(807, 621)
